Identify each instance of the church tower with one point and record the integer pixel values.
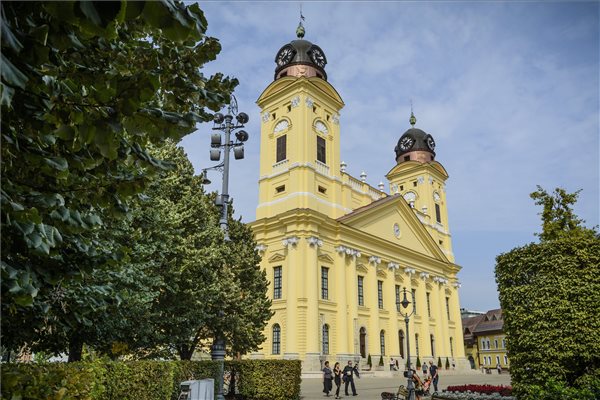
(421, 181)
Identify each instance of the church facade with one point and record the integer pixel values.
(338, 252)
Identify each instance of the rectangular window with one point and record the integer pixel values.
(448, 307)
(414, 298)
(438, 216)
(361, 297)
(324, 283)
(281, 148)
(398, 298)
(417, 343)
(321, 149)
(325, 339)
(277, 282)
(380, 294)
(276, 339)
(428, 304)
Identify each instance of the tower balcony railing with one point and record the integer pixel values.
(280, 166)
(322, 168)
(355, 184)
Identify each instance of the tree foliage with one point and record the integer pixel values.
(211, 287)
(86, 88)
(550, 297)
(557, 214)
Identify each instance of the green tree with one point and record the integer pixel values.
(86, 87)
(550, 297)
(439, 363)
(418, 362)
(558, 218)
(212, 287)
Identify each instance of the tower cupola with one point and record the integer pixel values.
(415, 145)
(300, 58)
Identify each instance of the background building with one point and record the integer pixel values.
(339, 252)
(485, 341)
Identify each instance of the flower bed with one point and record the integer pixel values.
(476, 392)
(483, 389)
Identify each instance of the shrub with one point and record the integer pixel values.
(145, 380)
(418, 362)
(447, 363)
(439, 363)
(268, 379)
(380, 361)
(369, 362)
(81, 380)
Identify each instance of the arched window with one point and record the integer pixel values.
(401, 341)
(432, 340)
(363, 342)
(325, 339)
(382, 342)
(276, 339)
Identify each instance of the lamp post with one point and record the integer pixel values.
(227, 125)
(409, 374)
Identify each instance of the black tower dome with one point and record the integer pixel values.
(415, 145)
(300, 58)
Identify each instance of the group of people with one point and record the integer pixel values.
(421, 386)
(338, 375)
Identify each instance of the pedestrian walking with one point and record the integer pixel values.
(327, 379)
(499, 368)
(425, 370)
(337, 378)
(433, 371)
(392, 364)
(349, 372)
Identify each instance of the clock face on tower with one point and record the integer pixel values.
(430, 143)
(406, 143)
(317, 56)
(285, 55)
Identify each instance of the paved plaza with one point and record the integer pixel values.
(371, 387)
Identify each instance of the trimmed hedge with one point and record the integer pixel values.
(145, 380)
(267, 379)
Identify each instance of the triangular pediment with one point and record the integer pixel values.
(325, 258)
(393, 220)
(362, 268)
(276, 257)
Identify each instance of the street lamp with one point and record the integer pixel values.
(409, 374)
(227, 125)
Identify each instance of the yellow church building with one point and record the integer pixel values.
(339, 252)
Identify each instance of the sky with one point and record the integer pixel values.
(509, 91)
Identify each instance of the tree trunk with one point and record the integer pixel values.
(185, 353)
(75, 348)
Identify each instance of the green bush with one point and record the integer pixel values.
(553, 389)
(268, 379)
(380, 361)
(144, 380)
(447, 363)
(418, 362)
(81, 380)
(439, 364)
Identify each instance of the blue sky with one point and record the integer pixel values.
(509, 91)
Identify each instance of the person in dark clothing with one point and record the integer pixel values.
(348, 373)
(433, 372)
(327, 379)
(337, 378)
